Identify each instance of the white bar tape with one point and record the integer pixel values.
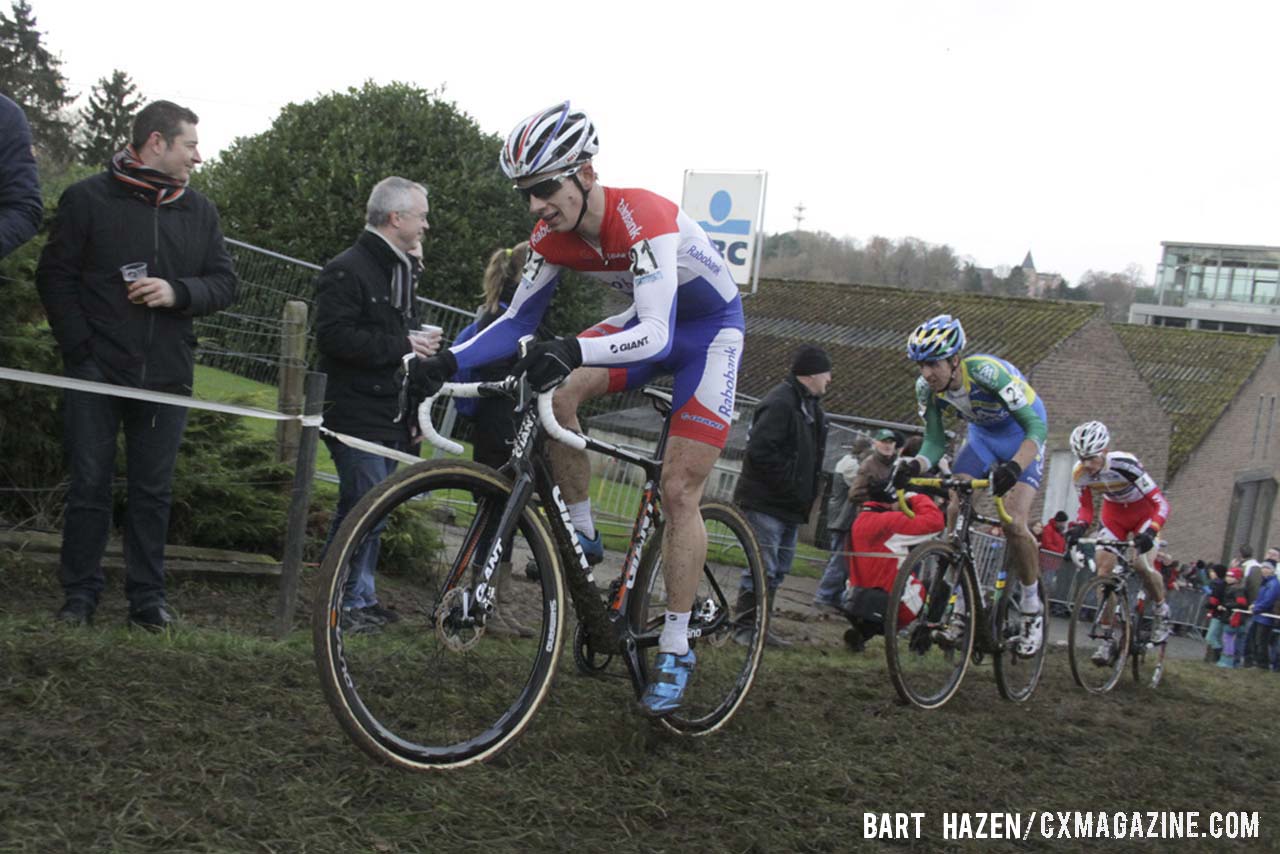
(553, 428)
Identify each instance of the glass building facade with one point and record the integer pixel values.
(1215, 286)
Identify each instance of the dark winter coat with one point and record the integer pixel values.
(362, 338)
(781, 473)
(100, 226)
(21, 207)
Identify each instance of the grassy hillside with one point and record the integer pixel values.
(217, 739)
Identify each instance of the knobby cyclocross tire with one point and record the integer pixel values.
(1016, 675)
(1100, 598)
(726, 665)
(925, 667)
(431, 689)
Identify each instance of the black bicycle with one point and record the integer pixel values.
(1107, 631)
(940, 618)
(462, 672)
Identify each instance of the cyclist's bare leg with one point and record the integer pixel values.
(1022, 545)
(571, 467)
(1151, 578)
(685, 468)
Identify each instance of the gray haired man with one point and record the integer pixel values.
(366, 322)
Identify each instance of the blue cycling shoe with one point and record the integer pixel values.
(665, 691)
(593, 549)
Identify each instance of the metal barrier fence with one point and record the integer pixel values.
(245, 339)
(1062, 579)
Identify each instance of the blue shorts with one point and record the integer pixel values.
(703, 363)
(984, 448)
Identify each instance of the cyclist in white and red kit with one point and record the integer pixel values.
(1132, 507)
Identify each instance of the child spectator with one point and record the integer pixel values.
(1234, 601)
(1217, 613)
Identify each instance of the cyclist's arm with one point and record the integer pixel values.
(935, 432)
(1084, 515)
(498, 340)
(654, 266)
(1131, 470)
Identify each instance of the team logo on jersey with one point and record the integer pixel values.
(628, 219)
(1013, 396)
(628, 345)
(986, 372)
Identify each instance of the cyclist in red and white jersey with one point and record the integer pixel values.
(686, 320)
(1132, 507)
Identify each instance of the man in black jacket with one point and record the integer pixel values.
(133, 330)
(21, 207)
(781, 472)
(366, 322)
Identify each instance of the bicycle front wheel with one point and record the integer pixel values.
(1017, 675)
(728, 646)
(440, 686)
(1098, 638)
(928, 626)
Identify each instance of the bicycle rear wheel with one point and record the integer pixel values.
(929, 629)
(1100, 614)
(438, 687)
(726, 666)
(1017, 675)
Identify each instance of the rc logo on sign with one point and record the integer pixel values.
(722, 223)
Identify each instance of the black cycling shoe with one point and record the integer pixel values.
(154, 619)
(75, 612)
(386, 615)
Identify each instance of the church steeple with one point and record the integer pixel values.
(1027, 263)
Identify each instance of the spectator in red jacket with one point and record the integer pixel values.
(1051, 538)
(881, 536)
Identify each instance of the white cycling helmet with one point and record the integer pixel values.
(551, 140)
(1089, 439)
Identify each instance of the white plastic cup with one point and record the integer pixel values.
(133, 272)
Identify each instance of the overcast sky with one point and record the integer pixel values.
(1086, 132)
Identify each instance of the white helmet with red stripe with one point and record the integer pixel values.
(550, 140)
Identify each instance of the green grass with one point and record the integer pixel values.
(217, 739)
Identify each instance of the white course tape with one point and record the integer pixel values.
(195, 403)
(141, 394)
(372, 447)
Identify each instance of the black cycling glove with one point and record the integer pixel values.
(547, 363)
(1003, 476)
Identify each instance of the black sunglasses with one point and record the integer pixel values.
(542, 190)
(547, 188)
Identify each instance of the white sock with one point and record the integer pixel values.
(580, 515)
(1163, 608)
(675, 633)
(1031, 598)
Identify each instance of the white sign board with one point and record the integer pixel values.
(730, 208)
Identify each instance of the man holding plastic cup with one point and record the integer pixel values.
(133, 255)
(366, 323)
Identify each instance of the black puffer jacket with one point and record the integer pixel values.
(785, 448)
(362, 337)
(101, 226)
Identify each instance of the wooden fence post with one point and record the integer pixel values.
(296, 534)
(293, 369)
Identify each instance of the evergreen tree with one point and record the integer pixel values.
(32, 77)
(108, 120)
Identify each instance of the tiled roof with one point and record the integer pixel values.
(1193, 375)
(865, 329)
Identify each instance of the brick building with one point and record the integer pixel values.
(1220, 391)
